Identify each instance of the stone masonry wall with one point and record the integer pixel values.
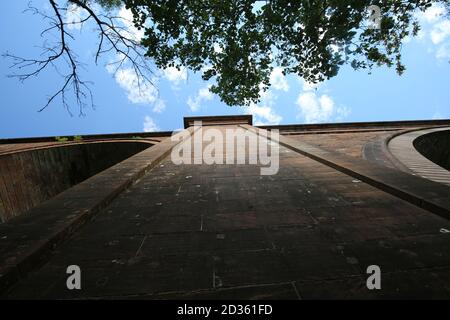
(31, 177)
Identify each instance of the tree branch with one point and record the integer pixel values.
(114, 37)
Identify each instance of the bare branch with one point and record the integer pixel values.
(114, 38)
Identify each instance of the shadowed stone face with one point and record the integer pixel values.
(40, 171)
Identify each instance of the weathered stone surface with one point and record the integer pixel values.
(224, 231)
(29, 239)
(30, 176)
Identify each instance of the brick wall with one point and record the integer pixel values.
(30, 177)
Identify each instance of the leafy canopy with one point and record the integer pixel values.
(239, 42)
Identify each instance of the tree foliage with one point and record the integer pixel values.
(237, 43)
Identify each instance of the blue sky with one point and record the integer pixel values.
(421, 93)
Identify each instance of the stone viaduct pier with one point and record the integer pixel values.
(139, 226)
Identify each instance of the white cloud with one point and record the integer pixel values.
(312, 109)
(174, 75)
(278, 79)
(127, 19)
(264, 113)
(73, 16)
(136, 93)
(308, 86)
(440, 32)
(436, 27)
(316, 109)
(432, 14)
(159, 106)
(193, 104)
(150, 125)
(203, 95)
